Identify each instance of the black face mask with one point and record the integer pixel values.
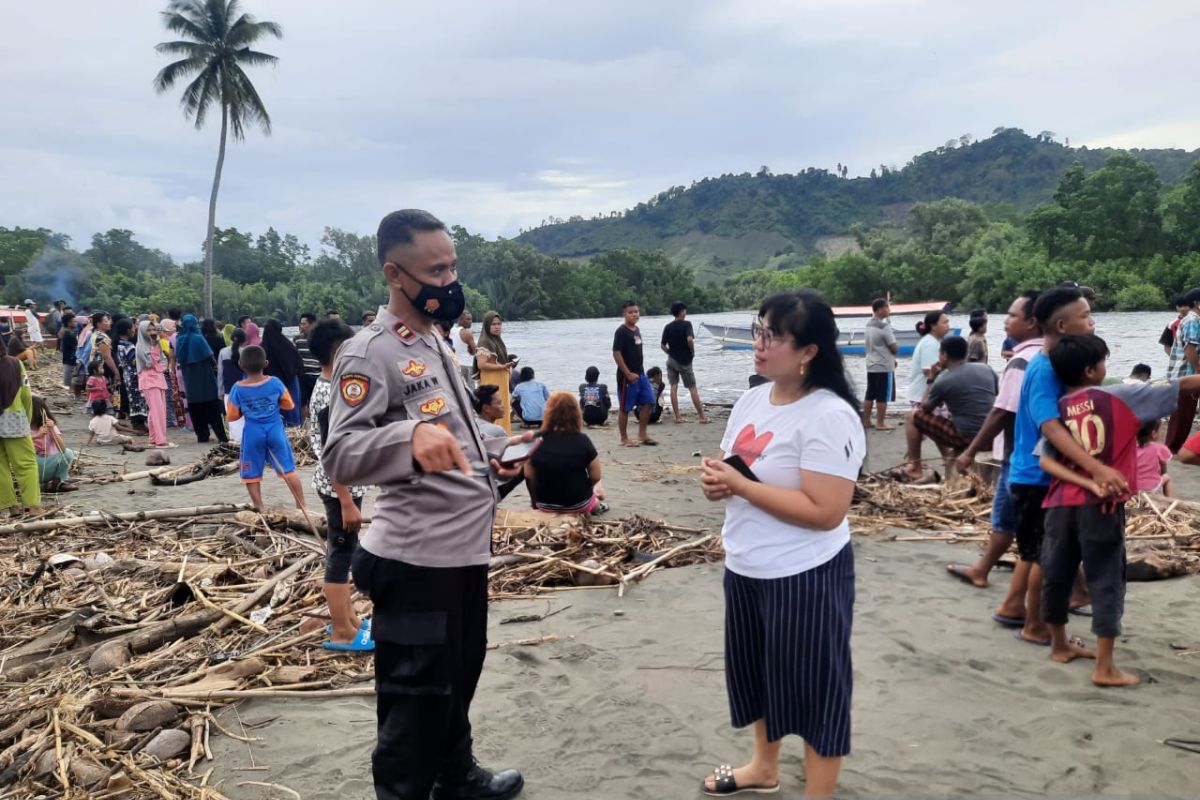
(444, 303)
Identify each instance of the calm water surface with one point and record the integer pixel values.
(560, 350)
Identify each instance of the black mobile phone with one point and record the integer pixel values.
(516, 453)
(741, 466)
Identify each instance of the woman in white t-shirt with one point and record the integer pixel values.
(933, 328)
(789, 565)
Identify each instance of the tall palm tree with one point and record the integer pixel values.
(216, 45)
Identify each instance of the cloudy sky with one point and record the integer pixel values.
(495, 115)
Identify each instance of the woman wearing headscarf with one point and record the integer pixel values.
(493, 364)
(17, 456)
(284, 362)
(252, 333)
(126, 332)
(208, 328)
(172, 399)
(152, 381)
(227, 333)
(197, 365)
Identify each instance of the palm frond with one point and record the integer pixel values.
(202, 93)
(189, 49)
(254, 58)
(245, 106)
(178, 22)
(176, 70)
(247, 30)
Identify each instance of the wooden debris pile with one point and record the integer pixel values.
(531, 555)
(119, 638)
(1162, 535)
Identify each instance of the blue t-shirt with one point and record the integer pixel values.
(260, 403)
(533, 395)
(1038, 404)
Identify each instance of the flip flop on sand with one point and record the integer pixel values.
(631, 443)
(960, 571)
(724, 784)
(1038, 642)
(1009, 622)
(362, 642)
(649, 442)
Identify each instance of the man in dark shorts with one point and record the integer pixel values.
(880, 348)
(968, 391)
(679, 343)
(633, 387)
(1061, 311)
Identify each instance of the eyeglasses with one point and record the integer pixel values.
(761, 332)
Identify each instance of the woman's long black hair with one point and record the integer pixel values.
(809, 320)
(237, 339)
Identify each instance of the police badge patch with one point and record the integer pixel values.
(354, 388)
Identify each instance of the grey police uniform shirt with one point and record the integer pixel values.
(387, 380)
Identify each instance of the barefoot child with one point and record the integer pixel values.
(343, 504)
(104, 428)
(259, 399)
(1083, 522)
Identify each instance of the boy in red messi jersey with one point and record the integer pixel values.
(1082, 524)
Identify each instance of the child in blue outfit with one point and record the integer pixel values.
(258, 399)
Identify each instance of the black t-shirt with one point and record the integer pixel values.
(560, 465)
(675, 337)
(629, 344)
(69, 343)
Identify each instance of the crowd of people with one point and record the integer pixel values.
(419, 407)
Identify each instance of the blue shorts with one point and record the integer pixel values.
(262, 445)
(1004, 513)
(638, 393)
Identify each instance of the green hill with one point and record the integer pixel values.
(719, 226)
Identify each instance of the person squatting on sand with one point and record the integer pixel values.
(789, 564)
(401, 419)
(997, 432)
(965, 390)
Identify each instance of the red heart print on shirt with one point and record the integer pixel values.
(750, 446)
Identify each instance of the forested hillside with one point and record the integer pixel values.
(721, 226)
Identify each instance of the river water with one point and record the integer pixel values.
(560, 350)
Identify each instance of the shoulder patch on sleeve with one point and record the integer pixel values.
(354, 388)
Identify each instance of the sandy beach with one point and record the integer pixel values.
(629, 702)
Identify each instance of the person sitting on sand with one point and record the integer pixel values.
(655, 376)
(968, 392)
(529, 397)
(593, 397)
(343, 504)
(488, 409)
(997, 432)
(1153, 457)
(789, 564)
(260, 399)
(104, 428)
(54, 458)
(563, 474)
(1085, 522)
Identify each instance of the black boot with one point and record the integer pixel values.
(480, 784)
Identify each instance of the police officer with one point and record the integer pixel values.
(401, 419)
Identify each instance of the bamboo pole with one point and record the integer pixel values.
(131, 516)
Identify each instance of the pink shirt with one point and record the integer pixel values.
(1150, 458)
(152, 377)
(1009, 394)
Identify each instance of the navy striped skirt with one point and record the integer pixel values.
(787, 653)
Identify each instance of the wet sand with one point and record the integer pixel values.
(632, 704)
